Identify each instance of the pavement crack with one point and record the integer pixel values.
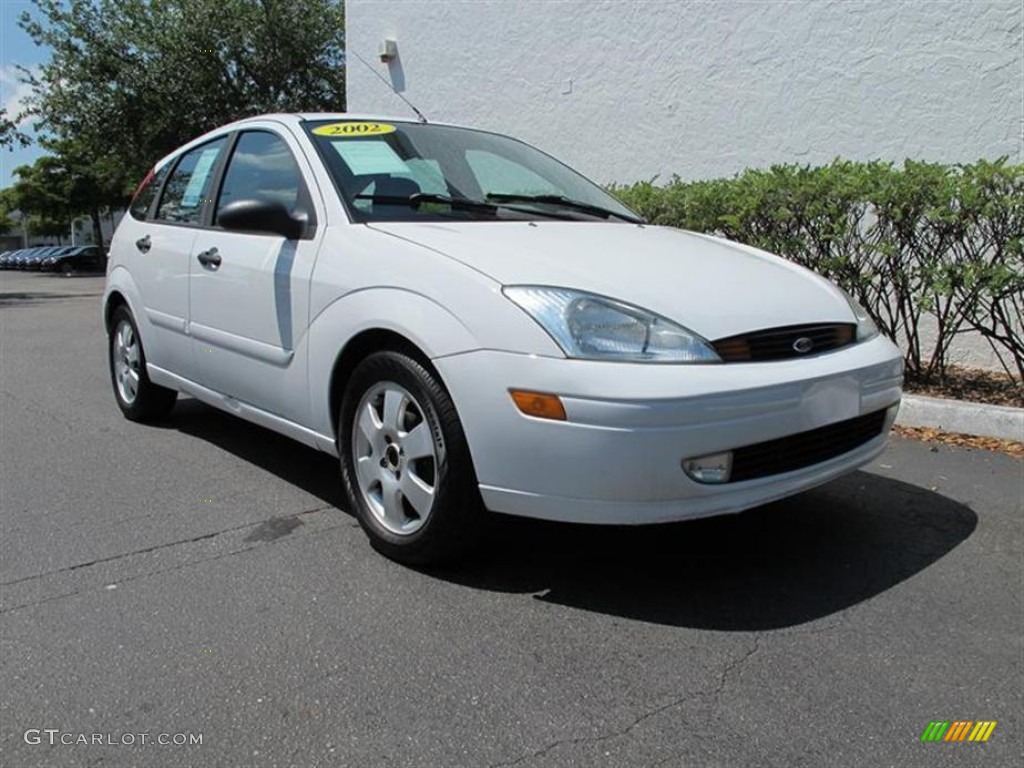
(730, 667)
(715, 694)
(154, 548)
(159, 571)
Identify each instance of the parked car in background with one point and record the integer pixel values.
(35, 262)
(467, 323)
(81, 258)
(5, 257)
(31, 258)
(19, 261)
(15, 258)
(11, 260)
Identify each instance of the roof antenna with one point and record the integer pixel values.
(394, 90)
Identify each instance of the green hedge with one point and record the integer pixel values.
(908, 242)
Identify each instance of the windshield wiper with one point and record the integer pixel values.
(564, 202)
(417, 199)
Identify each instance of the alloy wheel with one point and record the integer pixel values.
(395, 457)
(126, 361)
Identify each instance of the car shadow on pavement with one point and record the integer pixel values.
(775, 566)
(780, 565)
(313, 471)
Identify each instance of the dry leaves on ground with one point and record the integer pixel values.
(928, 435)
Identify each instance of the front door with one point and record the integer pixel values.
(250, 291)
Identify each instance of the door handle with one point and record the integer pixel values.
(144, 244)
(209, 258)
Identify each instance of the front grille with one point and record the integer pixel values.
(781, 343)
(804, 449)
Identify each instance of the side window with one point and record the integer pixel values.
(146, 192)
(188, 188)
(261, 168)
(496, 175)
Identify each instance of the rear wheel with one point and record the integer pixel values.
(405, 463)
(138, 398)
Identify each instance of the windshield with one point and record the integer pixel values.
(395, 171)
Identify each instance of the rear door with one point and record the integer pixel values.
(155, 242)
(250, 310)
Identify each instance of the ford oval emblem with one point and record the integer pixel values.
(803, 345)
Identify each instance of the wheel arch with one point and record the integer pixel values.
(358, 348)
(114, 300)
(121, 291)
(372, 320)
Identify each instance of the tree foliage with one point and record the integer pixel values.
(9, 133)
(42, 194)
(130, 80)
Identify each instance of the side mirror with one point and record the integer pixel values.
(261, 216)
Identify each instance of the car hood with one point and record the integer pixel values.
(714, 287)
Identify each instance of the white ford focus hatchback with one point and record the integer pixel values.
(470, 325)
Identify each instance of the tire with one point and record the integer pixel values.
(67, 267)
(138, 398)
(414, 492)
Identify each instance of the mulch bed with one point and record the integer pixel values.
(928, 435)
(976, 386)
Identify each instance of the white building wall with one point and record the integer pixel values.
(633, 89)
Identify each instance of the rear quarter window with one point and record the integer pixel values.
(146, 193)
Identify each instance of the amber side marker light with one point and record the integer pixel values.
(539, 404)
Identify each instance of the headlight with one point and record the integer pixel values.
(594, 327)
(866, 328)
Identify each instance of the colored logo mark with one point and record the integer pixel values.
(958, 730)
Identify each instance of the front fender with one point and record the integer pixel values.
(425, 323)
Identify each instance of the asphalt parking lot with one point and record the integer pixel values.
(198, 577)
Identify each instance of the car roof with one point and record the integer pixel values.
(293, 119)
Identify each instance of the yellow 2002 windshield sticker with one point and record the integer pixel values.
(353, 130)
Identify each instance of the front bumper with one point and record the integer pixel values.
(617, 458)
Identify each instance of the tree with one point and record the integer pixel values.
(7, 207)
(130, 80)
(41, 194)
(60, 187)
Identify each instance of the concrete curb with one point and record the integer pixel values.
(959, 416)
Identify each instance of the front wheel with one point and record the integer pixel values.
(138, 398)
(405, 463)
